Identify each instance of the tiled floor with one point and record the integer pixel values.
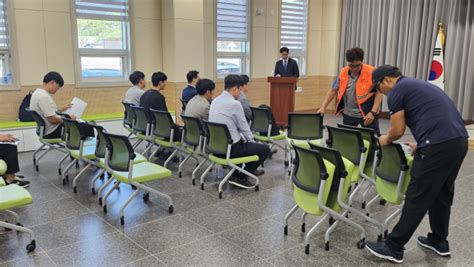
(244, 228)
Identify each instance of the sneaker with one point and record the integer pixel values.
(241, 182)
(19, 182)
(381, 250)
(441, 248)
(259, 172)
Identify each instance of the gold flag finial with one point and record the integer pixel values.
(441, 26)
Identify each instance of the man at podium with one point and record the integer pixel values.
(286, 67)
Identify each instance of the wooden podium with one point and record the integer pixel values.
(282, 97)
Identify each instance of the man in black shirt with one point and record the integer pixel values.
(153, 99)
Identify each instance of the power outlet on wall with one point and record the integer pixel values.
(299, 89)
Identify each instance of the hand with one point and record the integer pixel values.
(369, 118)
(7, 138)
(68, 106)
(412, 146)
(73, 117)
(278, 75)
(321, 110)
(383, 140)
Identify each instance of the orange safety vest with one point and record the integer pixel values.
(365, 99)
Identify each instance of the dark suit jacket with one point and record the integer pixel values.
(291, 70)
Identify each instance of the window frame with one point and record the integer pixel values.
(126, 54)
(243, 56)
(12, 50)
(302, 55)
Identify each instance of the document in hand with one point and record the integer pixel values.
(78, 107)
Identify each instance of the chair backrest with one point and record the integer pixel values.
(305, 126)
(74, 134)
(129, 115)
(261, 119)
(163, 123)
(218, 137)
(309, 169)
(192, 130)
(142, 121)
(348, 142)
(333, 156)
(369, 135)
(40, 123)
(120, 151)
(391, 162)
(101, 143)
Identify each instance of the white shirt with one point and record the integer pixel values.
(43, 103)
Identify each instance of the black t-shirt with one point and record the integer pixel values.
(429, 112)
(153, 99)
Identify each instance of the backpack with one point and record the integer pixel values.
(23, 114)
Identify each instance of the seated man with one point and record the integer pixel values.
(42, 102)
(9, 154)
(243, 98)
(133, 95)
(154, 99)
(199, 105)
(190, 90)
(227, 109)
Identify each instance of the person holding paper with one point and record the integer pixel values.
(9, 154)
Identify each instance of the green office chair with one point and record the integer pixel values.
(142, 126)
(218, 143)
(49, 143)
(163, 134)
(119, 162)
(193, 138)
(261, 123)
(3, 170)
(129, 116)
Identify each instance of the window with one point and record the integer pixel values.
(5, 55)
(232, 37)
(103, 40)
(293, 30)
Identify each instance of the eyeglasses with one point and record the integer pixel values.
(354, 66)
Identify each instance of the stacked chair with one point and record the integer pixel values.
(14, 196)
(193, 138)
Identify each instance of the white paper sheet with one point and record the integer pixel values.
(78, 107)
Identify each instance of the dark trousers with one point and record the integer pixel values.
(9, 154)
(86, 129)
(431, 190)
(243, 149)
(353, 121)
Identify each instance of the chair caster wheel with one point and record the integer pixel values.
(100, 201)
(60, 172)
(202, 186)
(67, 178)
(257, 188)
(122, 220)
(77, 165)
(31, 246)
(363, 205)
(361, 243)
(170, 209)
(367, 214)
(193, 181)
(74, 190)
(220, 194)
(105, 208)
(286, 164)
(37, 168)
(285, 230)
(93, 190)
(379, 238)
(303, 227)
(383, 202)
(326, 246)
(306, 249)
(331, 221)
(385, 234)
(134, 187)
(179, 175)
(64, 181)
(146, 197)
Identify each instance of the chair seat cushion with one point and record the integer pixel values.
(139, 158)
(264, 138)
(223, 161)
(303, 143)
(388, 190)
(143, 172)
(142, 136)
(88, 153)
(3, 167)
(13, 196)
(2, 182)
(166, 143)
(53, 141)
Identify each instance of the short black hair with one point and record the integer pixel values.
(284, 49)
(233, 80)
(158, 77)
(53, 76)
(192, 74)
(354, 54)
(205, 85)
(136, 76)
(245, 78)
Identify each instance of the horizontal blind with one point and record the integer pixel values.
(102, 9)
(3, 25)
(232, 20)
(294, 14)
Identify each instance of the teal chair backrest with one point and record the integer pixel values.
(305, 126)
(120, 151)
(192, 130)
(142, 121)
(101, 144)
(40, 123)
(348, 142)
(163, 123)
(309, 169)
(129, 115)
(391, 162)
(218, 137)
(74, 135)
(261, 119)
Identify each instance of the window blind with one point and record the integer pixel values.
(232, 20)
(3, 25)
(294, 15)
(102, 9)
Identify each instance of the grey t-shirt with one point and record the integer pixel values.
(133, 95)
(245, 105)
(351, 108)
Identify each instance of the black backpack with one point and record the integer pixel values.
(23, 114)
